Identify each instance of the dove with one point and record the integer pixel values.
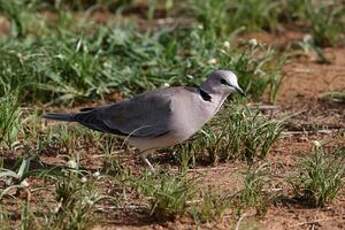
(159, 118)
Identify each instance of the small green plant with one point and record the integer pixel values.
(27, 217)
(10, 124)
(335, 96)
(75, 197)
(13, 10)
(258, 68)
(167, 194)
(212, 206)
(107, 145)
(5, 217)
(255, 14)
(319, 179)
(14, 179)
(294, 10)
(326, 22)
(252, 195)
(212, 14)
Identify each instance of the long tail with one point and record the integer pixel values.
(60, 117)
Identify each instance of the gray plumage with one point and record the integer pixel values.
(159, 118)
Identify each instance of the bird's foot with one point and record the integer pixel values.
(147, 162)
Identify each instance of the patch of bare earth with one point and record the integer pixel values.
(4, 26)
(304, 84)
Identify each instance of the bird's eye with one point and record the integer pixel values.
(222, 81)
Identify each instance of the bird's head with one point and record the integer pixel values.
(222, 82)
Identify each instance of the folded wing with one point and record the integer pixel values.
(146, 115)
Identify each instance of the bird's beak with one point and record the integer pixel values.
(240, 91)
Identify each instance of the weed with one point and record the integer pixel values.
(167, 194)
(5, 217)
(258, 68)
(293, 10)
(325, 19)
(212, 206)
(107, 146)
(39, 72)
(308, 44)
(10, 124)
(76, 198)
(31, 124)
(252, 194)
(67, 139)
(256, 14)
(11, 177)
(212, 14)
(336, 96)
(326, 22)
(13, 10)
(81, 5)
(225, 17)
(319, 179)
(185, 157)
(256, 133)
(27, 216)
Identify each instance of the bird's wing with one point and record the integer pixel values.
(146, 115)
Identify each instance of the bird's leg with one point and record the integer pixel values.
(143, 157)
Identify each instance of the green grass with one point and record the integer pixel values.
(224, 17)
(212, 206)
(5, 217)
(109, 146)
(252, 195)
(61, 63)
(76, 199)
(68, 204)
(10, 115)
(327, 22)
(324, 20)
(320, 177)
(168, 195)
(335, 96)
(14, 179)
(93, 66)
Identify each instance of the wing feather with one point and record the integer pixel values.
(146, 115)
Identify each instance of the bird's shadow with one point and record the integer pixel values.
(139, 217)
(296, 202)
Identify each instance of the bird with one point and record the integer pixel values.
(160, 118)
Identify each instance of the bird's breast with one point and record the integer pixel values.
(189, 117)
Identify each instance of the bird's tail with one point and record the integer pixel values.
(60, 117)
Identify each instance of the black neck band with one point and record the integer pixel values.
(205, 96)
